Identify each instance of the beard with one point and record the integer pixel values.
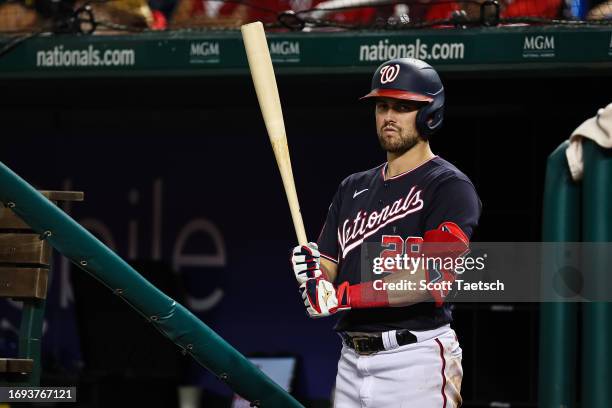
(398, 145)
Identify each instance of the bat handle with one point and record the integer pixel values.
(294, 206)
(299, 230)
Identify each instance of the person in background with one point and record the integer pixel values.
(508, 9)
(601, 11)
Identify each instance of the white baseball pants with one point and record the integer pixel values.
(425, 374)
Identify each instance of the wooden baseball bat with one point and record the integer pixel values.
(262, 72)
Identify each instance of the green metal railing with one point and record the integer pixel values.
(169, 317)
(578, 212)
(559, 321)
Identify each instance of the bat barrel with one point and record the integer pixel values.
(262, 72)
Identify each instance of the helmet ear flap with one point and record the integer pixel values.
(429, 119)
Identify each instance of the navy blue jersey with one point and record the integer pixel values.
(367, 207)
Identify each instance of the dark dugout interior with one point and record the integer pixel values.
(499, 129)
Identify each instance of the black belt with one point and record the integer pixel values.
(373, 342)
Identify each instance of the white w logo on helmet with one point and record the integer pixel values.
(388, 73)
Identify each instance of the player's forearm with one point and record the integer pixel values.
(401, 288)
(322, 298)
(405, 288)
(329, 269)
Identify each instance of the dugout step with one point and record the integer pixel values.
(16, 365)
(11, 221)
(24, 249)
(25, 260)
(20, 283)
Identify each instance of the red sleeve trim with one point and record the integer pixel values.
(364, 296)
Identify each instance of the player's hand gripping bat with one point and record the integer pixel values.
(262, 72)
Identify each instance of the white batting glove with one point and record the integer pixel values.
(306, 262)
(321, 298)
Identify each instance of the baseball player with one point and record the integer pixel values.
(398, 347)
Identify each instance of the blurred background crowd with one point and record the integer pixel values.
(19, 16)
